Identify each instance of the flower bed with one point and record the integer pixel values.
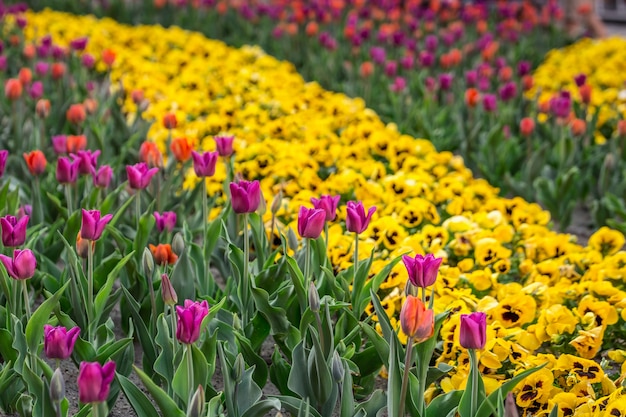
(547, 299)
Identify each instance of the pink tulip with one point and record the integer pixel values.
(473, 333)
(204, 163)
(190, 320)
(87, 161)
(4, 155)
(311, 222)
(102, 176)
(59, 144)
(139, 175)
(224, 145)
(58, 342)
(356, 219)
(422, 270)
(93, 225)
(13, 230)
(67, 171)
(94, 381)
(22, 265)
(245, 196)
(328, 204)
(165, 221)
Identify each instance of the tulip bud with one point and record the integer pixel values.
(338, 370)
(25, 405)
(148, 263)
(178, 244)
(167, 291)
(196, 406)
(57, 386)
(510, 408)
(292, 240)
(82, 246)
(238, 368)
(314, 298)
(278, 199)
(237, 323)
(621, 128)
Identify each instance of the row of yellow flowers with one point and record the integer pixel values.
(547, 298)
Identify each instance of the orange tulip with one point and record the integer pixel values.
(82, 246)
(36, 162)
(181, 148)
(91, 105)
(76, 114)
(416, 320)
(621, 128)
(585, 93)
(150, 154)
(13, 89)
(527, 82)
(169, 121)
(366, 69)
(578, 127)
(42, 108)
(29, 51)
(311, 29)
(26, 76)
(472, 96)
(163, 254)
(58, 70)
(108, 57)
(76, 143)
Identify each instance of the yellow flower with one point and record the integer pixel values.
(535, 389)
(515, 310)
(607, 241)
(555, 321)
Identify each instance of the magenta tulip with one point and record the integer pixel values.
(93, 225)
(422, 270)
(94, 381)
(204, 163)
(87, 161)
(59, 144)
(245, 196)
(311, 222)
(224, 145)
(473, 333)
(139, 175)
(190, 320)
(22, 265)
(328, 204)
(58, 342)
(4, 155)
(165, 221)
(67, 171)
(356, 219)
(102, 176)
(13, 230)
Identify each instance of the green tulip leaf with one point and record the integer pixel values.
(137, 399)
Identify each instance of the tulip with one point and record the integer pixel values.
(67, 171)
(585, 93)
(21, 266)
(41, 68)
(25, 210)
(356, 219)
(580, 79)
(4, 155)
(88, 61)
(59, 144)
(224, 145)
(445, 81)
(245, 196)
(164, 221)
(204, 163)
(82, 246)
(42, 108)
(416, 320)
(93, 226)
(102, 176)
(621, 131)
(58, 70)
(473, 333)
(13, 89)
(508, 91)
(76, 114)
(311, 222)
(36, 162)
(181, 148)
(58, 342)
(36, 90)
(87, 160)
(523, 68)
(472, 96)
(79, 44)
(328, 204)
(190, 320)
(94, 381)
(13, 230)
(490, 103)
(163, 254)
(578, 127)
(526, 126)
(169, 121)
(167, 291)
(422, 270)
(150, 154)
(139, 175)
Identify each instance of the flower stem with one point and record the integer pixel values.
(307, 263)
(356, 264)
(152, 300)
(405, 376)
(205, 229)
(246, 279)
(68, 198)
(474, 374)
(90, 306)
(138, 207)
(26, 299)
(326, 241)
(95, 409)
(190, 372)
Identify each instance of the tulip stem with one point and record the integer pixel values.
(205, 230)
(307, 263)
(405, 376)
(90, 306)
(326, 241)
(246, 281)
(138, 207)
(68, 197)
(356, 264)
(26, 299)
(190, 372)
(474, 375)
(152, 300)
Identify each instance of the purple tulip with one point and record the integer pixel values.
(224, 145)
(523, 68)
(93, 226)
(3, 62)
(422, 270)
(13, 230)
(356, 219)
(67, 171)
(58, 342)
(102, 176)
(471, 77)
(473, 333)
(311, 222)
(88, 61)
(426, 59)
(165, 221)
(79, 44)
(87, 161)
(190, 320)
(445, 81)
(508, 91)
(59, 144)
(94, 381)
(399, 84)
(41, 68)
(245, 196)
(391, 68)
(490, 103)
(328, 204)
(580, 79)
(25, 210)
(204, 163)
(22, 265)
(139, 175)
(36, 90)
(561, 106)
(407, 62)
(431, 43)
(378, 54)
(4, 155)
